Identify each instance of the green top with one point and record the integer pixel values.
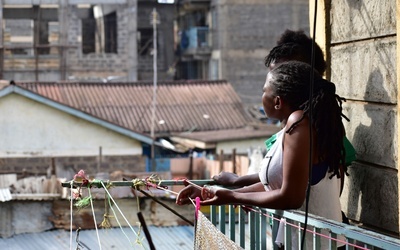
(349, 149)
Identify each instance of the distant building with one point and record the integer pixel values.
(89, 40)
(229, 40)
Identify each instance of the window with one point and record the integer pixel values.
(31, 35)
(99, 31)
(145, 41)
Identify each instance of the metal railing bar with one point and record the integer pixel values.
(263, 232)
(349, 231)
(252, 229)
(316, 238)
(257, 226)
(288, 236)
(242, 229)
(232, 222)
(332, 243)
(222, 219)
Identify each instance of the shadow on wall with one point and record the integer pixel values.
(373, 185)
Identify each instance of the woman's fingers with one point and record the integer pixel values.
(212, 201)
(207, 192)
(185, 194)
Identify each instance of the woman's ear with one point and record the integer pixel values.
(278, 102)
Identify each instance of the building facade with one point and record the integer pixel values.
(228, 39)
(76, 40)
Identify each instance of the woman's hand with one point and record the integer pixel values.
(216, 196)
(186, 193)
(226, 178)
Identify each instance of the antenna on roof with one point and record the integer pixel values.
(154, 20)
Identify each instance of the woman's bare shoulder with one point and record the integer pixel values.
(295, 117)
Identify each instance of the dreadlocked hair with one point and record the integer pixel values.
(285, 52)
(296, 46)
(291, 81)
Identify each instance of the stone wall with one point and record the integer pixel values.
(363, 65)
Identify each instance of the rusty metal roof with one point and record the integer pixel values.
(193, 105)
(175, 237)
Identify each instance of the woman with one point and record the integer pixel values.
(282, 181)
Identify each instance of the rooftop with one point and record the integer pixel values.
(192, 105)
(176, 237)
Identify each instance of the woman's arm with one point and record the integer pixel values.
(228, 179)
(295, 175)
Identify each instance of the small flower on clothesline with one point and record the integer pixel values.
(83, 202)
(154, 181)
(81, 177)
(137, 183)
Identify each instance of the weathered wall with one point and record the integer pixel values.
(361, 46)
(66, 167)
(245, 32)
(34, 129)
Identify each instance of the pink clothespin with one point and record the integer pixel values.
(197, 207)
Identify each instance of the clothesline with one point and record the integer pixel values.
(161, 184)
(98, 183)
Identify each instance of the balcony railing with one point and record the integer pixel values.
(258, 228)
(195, 40)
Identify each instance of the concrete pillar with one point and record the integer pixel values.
(63, 37)
(322, 36)
(132, 44)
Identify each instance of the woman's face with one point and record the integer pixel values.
(268, 98)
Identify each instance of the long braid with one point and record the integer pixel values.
(291, 81)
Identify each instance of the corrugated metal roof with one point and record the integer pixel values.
(231, 134)
(168, 238)
(194, 105)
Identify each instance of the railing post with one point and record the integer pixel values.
(288, 235)
(263, 230)
(242, 231)
(222, 219)
(252, 230)
(351, 241)
(299, 234)
(332, 243)
(317, 238)
(213, 215)
(232, 222)
(275, 227)
(257, 230)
